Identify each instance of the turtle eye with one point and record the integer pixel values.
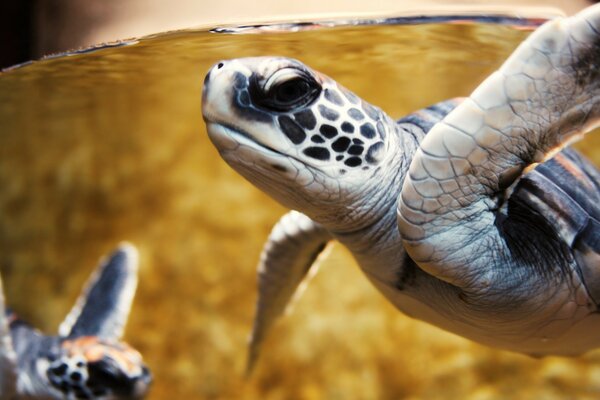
(291, 91)
(287, 89)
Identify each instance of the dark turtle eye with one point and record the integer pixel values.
(286, 90)
(291, 92)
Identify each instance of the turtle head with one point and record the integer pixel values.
(91, 368)
(296, 134)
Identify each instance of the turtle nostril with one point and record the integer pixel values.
(212, 71)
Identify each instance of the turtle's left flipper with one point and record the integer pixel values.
(544, 96)
(8, 357)
(103, 307)
(289, 254)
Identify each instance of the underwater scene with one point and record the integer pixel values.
(108, 145)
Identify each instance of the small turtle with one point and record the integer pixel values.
(465, 214)
(86, 360)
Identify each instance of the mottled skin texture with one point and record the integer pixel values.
(546, 94)
(86, 360)
(443, 209)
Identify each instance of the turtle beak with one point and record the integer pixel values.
(217, 90)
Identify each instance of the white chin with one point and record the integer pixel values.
(222, 137)
(237, 148)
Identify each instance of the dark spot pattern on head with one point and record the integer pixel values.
(69, 379)
(319, 153)
(374, 153)
(370, 111)
(306, 119)
(341, 144)
(347, 127)
(355, 150)
(317, 139)
(328, 113)
(353, 162)
(381, 130)
(59, 370)
(367, 130)
(333, 97)
(352, 98)
(247, 111)
(76, 376)
(291, 129)
(356, 114)
(328, 131)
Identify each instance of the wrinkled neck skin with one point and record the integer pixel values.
(369, 228)
(363, 217)
(369, 231)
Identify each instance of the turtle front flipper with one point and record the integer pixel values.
(103, 307)
(543, 97)
(290, 252)
(8, 356)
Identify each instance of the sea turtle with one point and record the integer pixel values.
(466, 214)
(86, 360)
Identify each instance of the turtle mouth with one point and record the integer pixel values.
(238, 135)
(228, 138)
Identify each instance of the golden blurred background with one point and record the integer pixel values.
(109, 145)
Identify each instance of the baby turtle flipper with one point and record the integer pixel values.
(103, 307)
(8, 357)
(291, 251)
(543, 97)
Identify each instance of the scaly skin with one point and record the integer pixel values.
(546, 94)
(494, 252)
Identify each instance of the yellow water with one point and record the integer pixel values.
(110, 145)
